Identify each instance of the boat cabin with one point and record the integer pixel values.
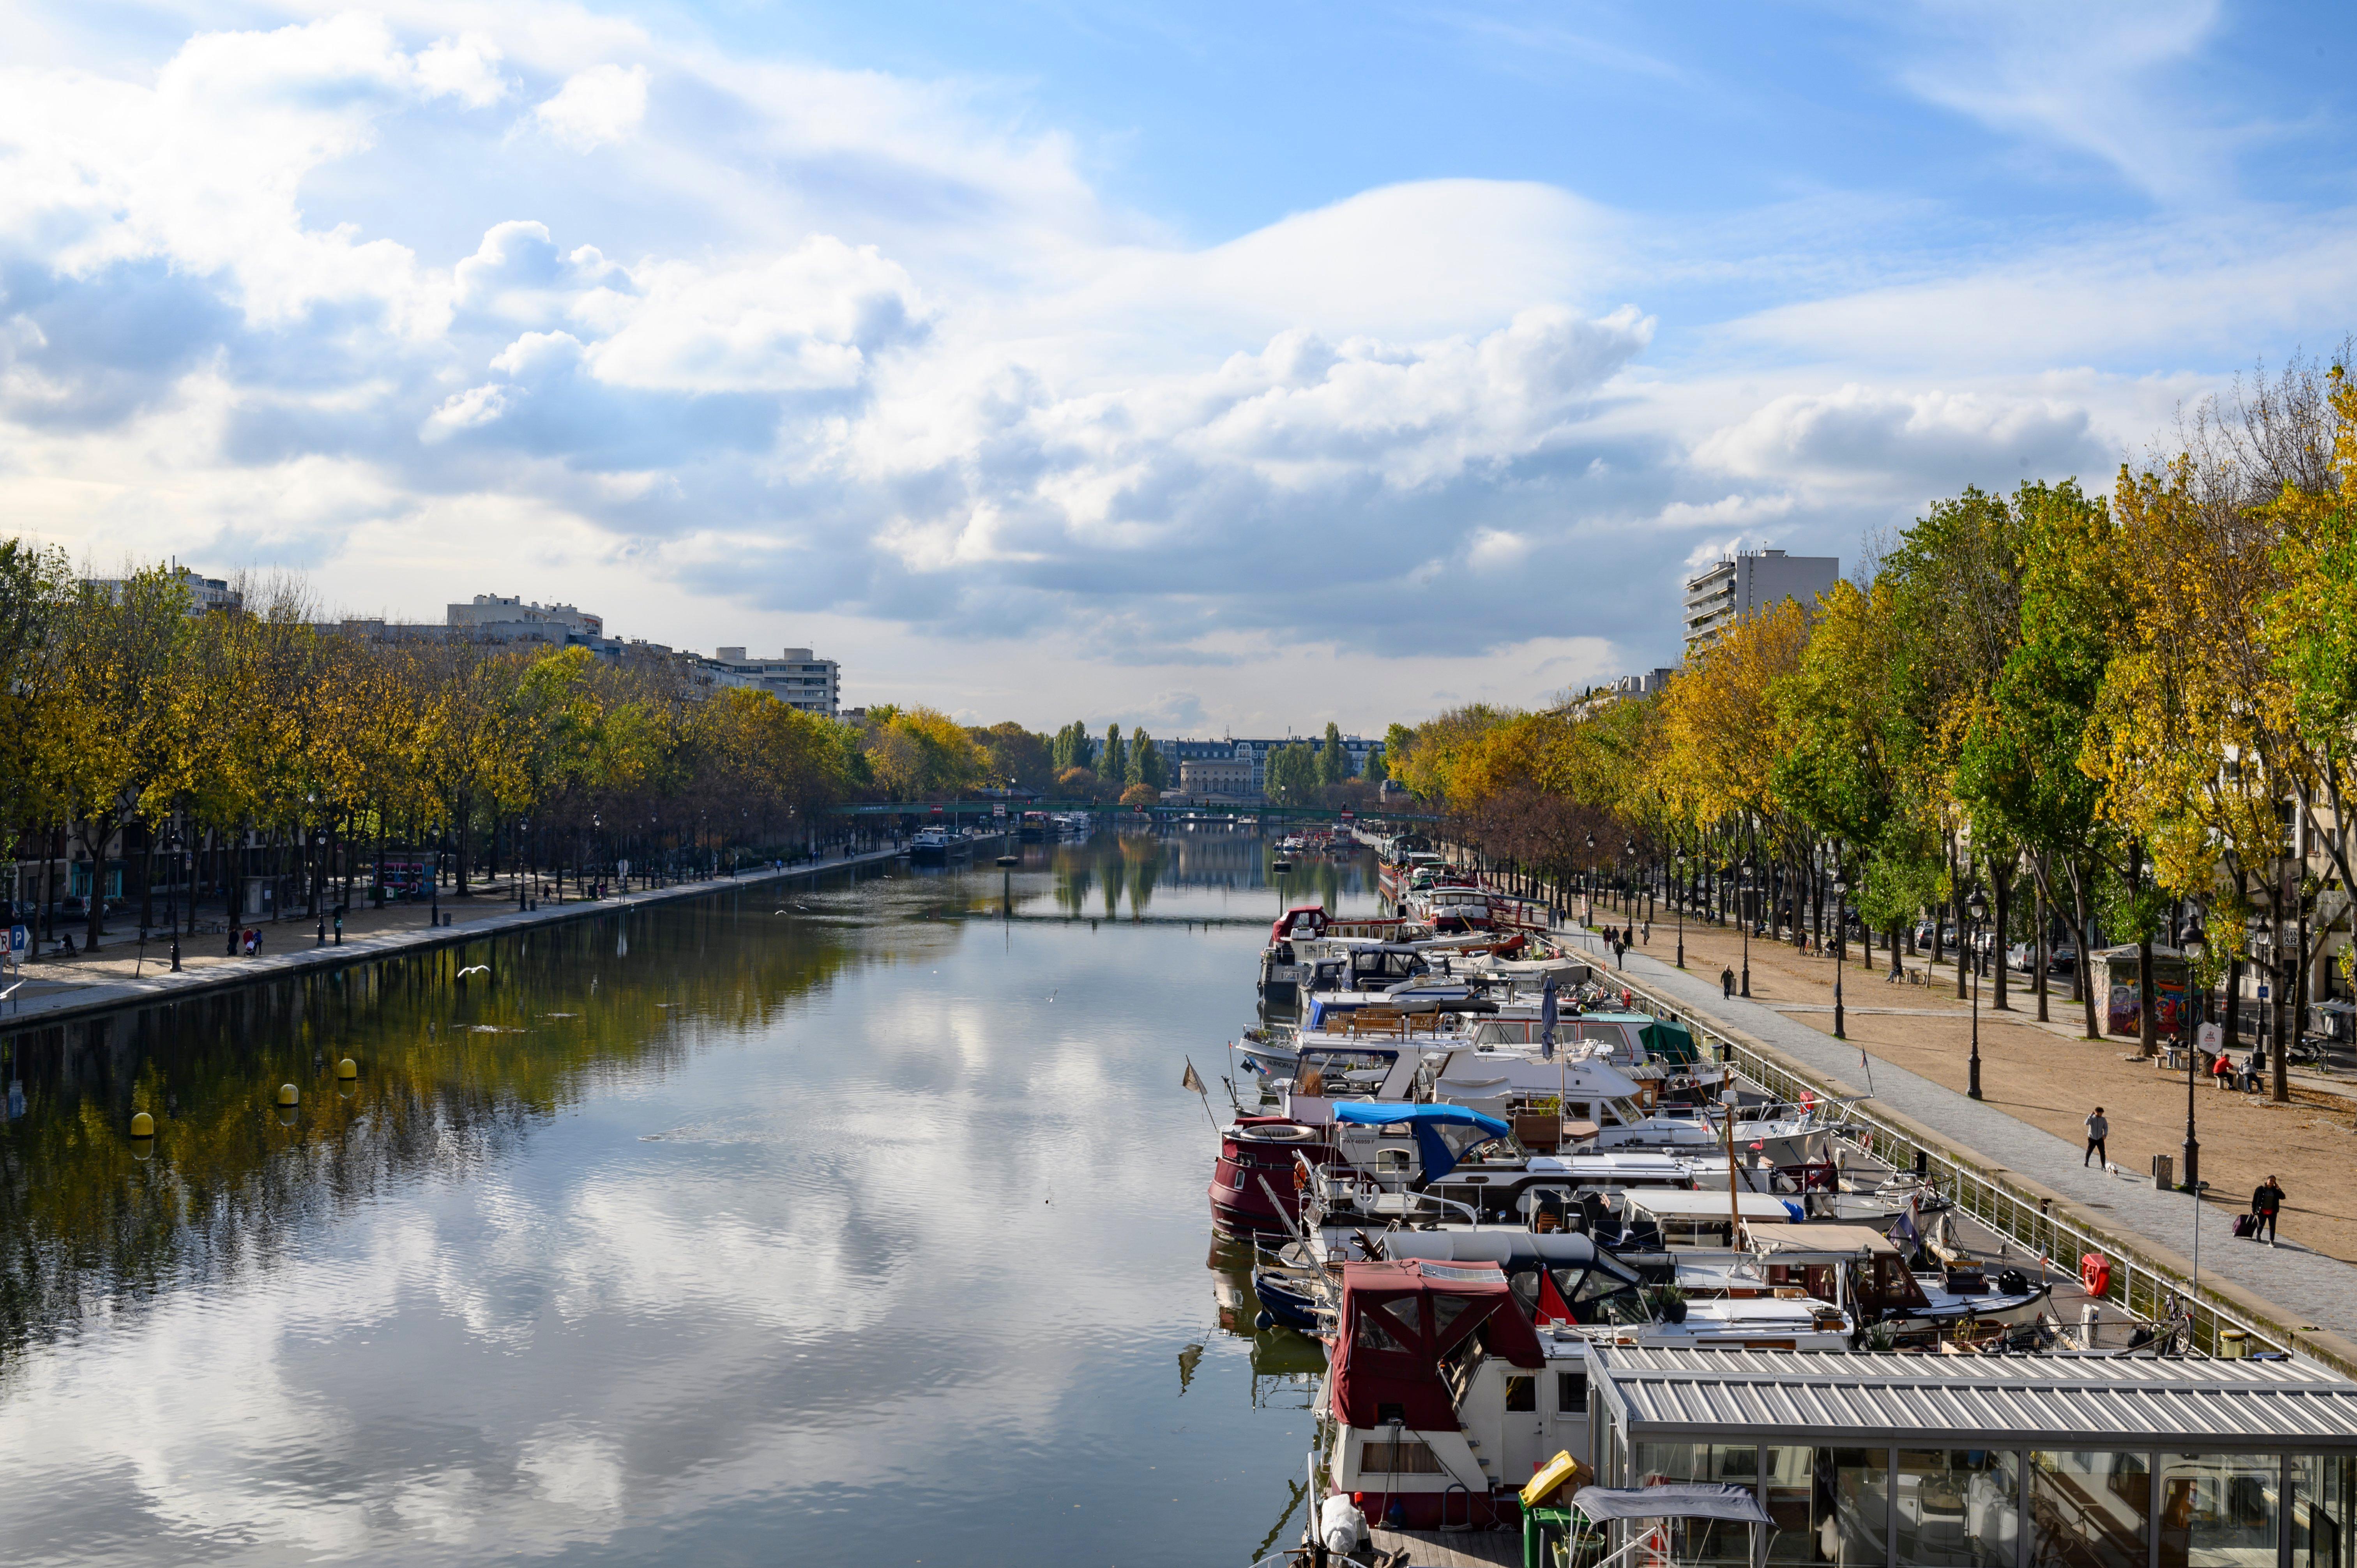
(1654, 1222)
(1995, 1462)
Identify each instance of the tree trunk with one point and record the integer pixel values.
(2083, 971)
(2001, 892)
(1965, 955)
(2038, 954)
(146, 876)
(2148, 1025)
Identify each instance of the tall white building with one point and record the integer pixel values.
(1738, 586)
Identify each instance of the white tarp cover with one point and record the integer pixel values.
(1680, 1499)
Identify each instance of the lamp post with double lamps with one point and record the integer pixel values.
(1976, 908)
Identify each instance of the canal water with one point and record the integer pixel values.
(861, 1222)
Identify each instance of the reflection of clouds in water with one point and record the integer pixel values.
(575, 1471)
(832, 1264)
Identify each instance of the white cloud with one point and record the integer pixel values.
(602, 104)
(465, 68)
(2080, 77)
(1496, 549)
(804, 320)
(856, 351)
(1860, 437)
(1726, 510)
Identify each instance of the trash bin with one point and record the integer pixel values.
(2233, 1344)
(2163, 1168)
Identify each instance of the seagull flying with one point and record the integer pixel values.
(474, 969)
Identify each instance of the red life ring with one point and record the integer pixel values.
(2095, 1273)
(1301, 1176)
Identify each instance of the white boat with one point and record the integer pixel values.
(935, 845)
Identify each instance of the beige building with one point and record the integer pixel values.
(1216, 776)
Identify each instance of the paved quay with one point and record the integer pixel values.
(73, 1001)
(2306, 1289)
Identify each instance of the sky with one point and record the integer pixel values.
(1208, 367)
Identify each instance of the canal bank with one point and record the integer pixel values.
(2303, 1300)
(78, 1001)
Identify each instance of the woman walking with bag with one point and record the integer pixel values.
(2266, 1203)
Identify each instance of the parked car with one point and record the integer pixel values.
(1923, 936)
(2063, 961)
(2021, 956)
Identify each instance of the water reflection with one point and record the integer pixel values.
(817, 1224)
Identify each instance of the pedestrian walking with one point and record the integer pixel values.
(2098, 1129)
(1726, 982)
(2267, 1202)
(1646, 931)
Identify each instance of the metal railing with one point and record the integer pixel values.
(2138, 1286)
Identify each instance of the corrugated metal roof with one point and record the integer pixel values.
(1993, 1402)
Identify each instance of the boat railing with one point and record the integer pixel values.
(2138, 1285)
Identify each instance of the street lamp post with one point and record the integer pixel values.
(1976, 906)
(1590, 899)
(1841, 916)
(1678, 899)
(172, 895)
(1744, 896)
(2195, 945)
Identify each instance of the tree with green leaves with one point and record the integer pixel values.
(1333, 762)
(1113, 761)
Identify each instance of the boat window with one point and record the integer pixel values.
(1956, 1506)
(1523, 1394)
(1397, 1457)
(1373, 1335)
(1446, 1310)
(1402, 1311)
(1830, 1505)
(2101, 1505)
(1462, 1365)
(2324, 1510)
(1623, 1307)
(1571, 1393)
(2219, 1510)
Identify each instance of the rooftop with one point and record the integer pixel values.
(1976, 1402)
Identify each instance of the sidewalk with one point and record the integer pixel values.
(2315, 1289)
(54, 990)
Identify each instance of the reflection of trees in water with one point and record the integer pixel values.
(1090, 878)
(450, 1075)
(1145, 857)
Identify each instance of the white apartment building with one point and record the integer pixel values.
(797, 677)
(498, 617)
(1738, 586)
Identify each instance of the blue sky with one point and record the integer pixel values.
(1206, 366)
